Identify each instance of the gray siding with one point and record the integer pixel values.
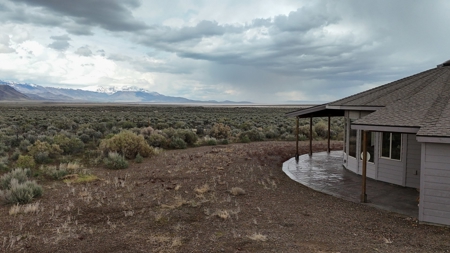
(413, 162)
(435, 184)
(390, 171)
(393, 171)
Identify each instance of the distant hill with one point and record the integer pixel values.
(102, 95)
(7, 93)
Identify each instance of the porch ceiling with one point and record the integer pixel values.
(316, 111)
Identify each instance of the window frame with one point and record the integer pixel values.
(390, 146)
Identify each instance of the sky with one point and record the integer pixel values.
(273, 52)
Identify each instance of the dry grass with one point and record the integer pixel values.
(236, 191)
(223, 214)
(258, 237)
(29, 208)
(202, 189)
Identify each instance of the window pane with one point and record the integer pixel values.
(385, 145)
(345, 135)
(370, 146)
(396, 146)
(352, 143)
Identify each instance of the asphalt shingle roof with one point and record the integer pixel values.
(421, 100)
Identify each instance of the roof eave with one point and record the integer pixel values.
(354, 107)
(381, 128)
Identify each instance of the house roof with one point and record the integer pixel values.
(420, 102)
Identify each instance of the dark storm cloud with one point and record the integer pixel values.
(112, 15)
(60, 43)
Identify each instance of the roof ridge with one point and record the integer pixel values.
(399, 84)
(439, 104)
(423, 85)
(384, 86)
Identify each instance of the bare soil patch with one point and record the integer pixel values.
(231, 198)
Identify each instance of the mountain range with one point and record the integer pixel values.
(8, 93)
(96, 94)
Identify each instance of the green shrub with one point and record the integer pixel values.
(252, 135)
(187, 136)
(139, 158)
(220, 131)
(15, 155)
(69, 145)
(43, 151)
(115, 161)
(157, 140)
(20, 174)
(25, 161)
(21, 192)
(54, 172)
(128, 144)
(177, 143)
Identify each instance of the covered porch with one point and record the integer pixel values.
(324, 172)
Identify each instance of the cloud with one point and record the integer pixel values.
(4, 44)
(84, 51)
(60, 43)
(112, 15)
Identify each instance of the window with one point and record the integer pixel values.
(345, 135)
(352, 141)
(370, 146)
(391, 145)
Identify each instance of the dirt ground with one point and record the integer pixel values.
(232, 198)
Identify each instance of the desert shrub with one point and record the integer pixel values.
(321, 129)
(25, 161)
(43, 151)
(271, 132)
(71, 145)
(220, 131)
(53, 171)
(177, 143)
(157, 140)
(15, 155)
(21, 175)
(127, 124)
(41, 157)
(115, 161)
(244, 138)
(139, 158)
(187, 136)
(253, 135)
(3, 164)
(147, 131)
(246, 125)
(84, 138)
(23, 146)
(21, 192)
(128, 144)
(211, 141)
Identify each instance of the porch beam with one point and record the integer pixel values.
(364, 168)
(329, 133)
(296, 139)
(310, 136)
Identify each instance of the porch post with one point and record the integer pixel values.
(329, 133)
(364, 168)
(296, 140)
(310, 136)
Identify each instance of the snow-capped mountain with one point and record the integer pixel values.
(98, 94)
(113, 89)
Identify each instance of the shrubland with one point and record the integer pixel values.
(35, 135)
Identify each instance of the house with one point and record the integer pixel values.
(404, 129)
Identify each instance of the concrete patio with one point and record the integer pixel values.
(324, 172)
